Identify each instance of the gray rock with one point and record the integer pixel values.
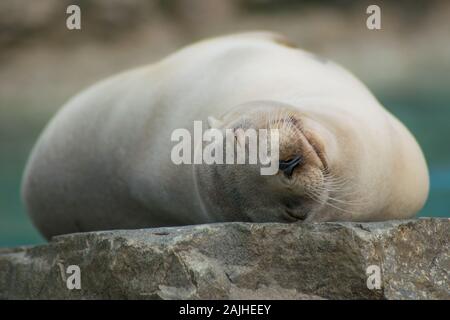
(238, 261)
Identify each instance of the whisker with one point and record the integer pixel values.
(326, 203)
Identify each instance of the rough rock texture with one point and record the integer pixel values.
(238, 260)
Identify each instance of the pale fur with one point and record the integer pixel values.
(103, 162)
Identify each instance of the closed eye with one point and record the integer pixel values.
(288, 166)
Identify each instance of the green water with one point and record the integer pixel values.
(427, 114)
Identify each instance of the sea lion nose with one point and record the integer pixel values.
(288, 166)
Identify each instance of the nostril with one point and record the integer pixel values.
(288, 166)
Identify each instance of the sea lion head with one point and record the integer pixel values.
(303, 185)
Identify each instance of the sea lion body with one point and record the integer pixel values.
(104, 161)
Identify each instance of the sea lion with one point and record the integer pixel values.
(103, 162)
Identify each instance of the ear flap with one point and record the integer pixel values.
(214, 123)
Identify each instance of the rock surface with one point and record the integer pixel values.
(238, 261)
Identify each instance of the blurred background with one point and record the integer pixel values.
(42, 64)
